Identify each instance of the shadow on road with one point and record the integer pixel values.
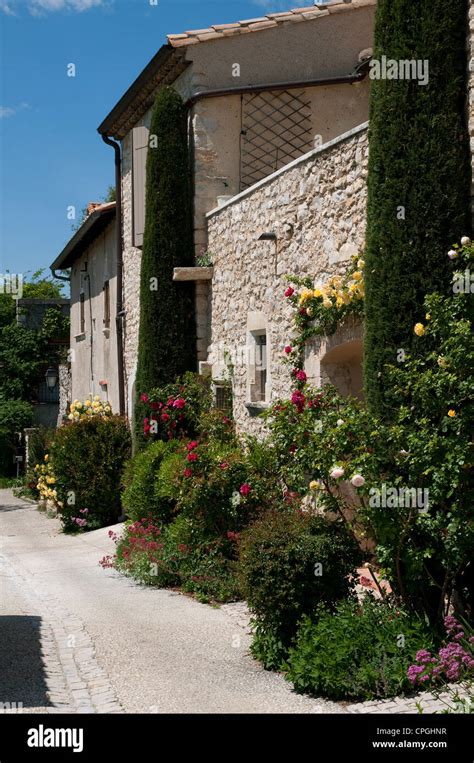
(22, 678)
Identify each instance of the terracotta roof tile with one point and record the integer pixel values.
(269, 21)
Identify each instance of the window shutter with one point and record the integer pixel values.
(139, 150)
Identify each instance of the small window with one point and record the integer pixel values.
(258, 388)
(223, 398)
(106, 305)
(82, 313)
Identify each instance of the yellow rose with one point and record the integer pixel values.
(419, 329)
(96, 397)
(428, 317)
(339, 301)
(327, 302)
(352, 288)
(451, 413)
(314, 485)
(317, 292)
(88, 403)
(46, 458)
(71, 417)
(357, 276)
(346, 298)
(305, 295)
(361, 264)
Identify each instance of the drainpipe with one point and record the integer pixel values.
(359, 73)
(119, 261)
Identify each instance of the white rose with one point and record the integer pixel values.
(452, 254)
(357, 480)
(466, 241)
(337, 472)
(340, 422)
(403, 452)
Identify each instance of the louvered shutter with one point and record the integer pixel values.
(139, 149)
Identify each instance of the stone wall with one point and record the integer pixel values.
(316, 208)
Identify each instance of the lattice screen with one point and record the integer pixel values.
(276, 128)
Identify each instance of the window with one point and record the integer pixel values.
(106, 305)
(223, 397)
(258, 385)
(82, 313)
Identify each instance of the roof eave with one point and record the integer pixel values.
(76, 245)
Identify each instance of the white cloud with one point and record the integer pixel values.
(10, 111)
(7, 8)
(41, 7)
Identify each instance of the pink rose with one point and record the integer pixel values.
(245, 489)
(289, 292)
(144, 398)
(192, 457)
(179, 403)
(301, 376)
(288, 349)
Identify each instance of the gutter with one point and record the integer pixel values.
(359, 74)
(119, 265)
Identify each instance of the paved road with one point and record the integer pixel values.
(77, 638)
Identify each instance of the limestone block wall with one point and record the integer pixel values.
(316, 208)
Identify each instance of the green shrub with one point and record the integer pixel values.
(360, 651)
(88, 458)
(419, 176)
(167, 344)
(290, 562)
(176, 555)
(144, 494)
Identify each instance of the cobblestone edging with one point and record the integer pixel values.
(75, 681)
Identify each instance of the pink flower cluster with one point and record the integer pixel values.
(454, 662)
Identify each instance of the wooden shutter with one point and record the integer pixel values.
(139, 151)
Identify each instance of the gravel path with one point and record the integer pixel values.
(77, 638)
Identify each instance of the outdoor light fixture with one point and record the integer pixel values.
(51, 377)
(268, 236)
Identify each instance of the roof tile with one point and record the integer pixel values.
(223, 27)
(210, 35)
(262, 25)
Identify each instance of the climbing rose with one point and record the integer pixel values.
(289, 292)
(337, 472)
(301, 376)
(357, 480)
(298, 399)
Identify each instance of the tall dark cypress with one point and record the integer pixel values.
(419, 176)
(167, 343)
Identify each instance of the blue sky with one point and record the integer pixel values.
(51, 156)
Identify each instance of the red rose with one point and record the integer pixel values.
(288, 349)
(301, 376)
(144, 398)
(193, 445)
(192, 457)
(245, 489)
(188, 472)
(289, 292)
(179, 403)
(154, 406)
(165, 417)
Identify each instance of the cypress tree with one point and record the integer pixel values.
(419, 176)
(167, 344)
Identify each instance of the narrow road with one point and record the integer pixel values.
(77, 638)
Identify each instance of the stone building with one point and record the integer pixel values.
(260, 93)
(90, 255)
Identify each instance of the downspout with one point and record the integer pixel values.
(119, 263)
